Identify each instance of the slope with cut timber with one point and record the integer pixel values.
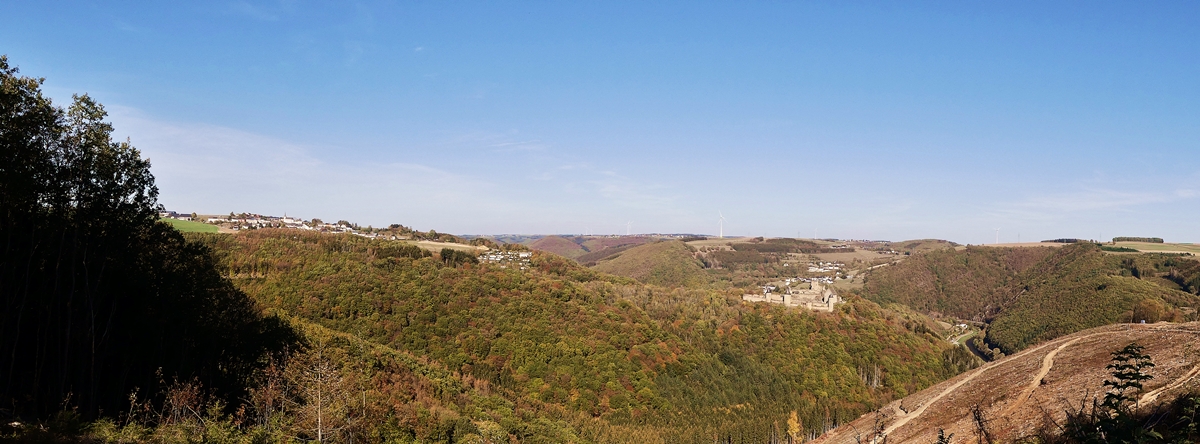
(1018, 394)
(667, 263)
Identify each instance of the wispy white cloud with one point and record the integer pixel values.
(207, 168)
(632, 194)
(215, 169)
(1085, 203)
(1091, 199)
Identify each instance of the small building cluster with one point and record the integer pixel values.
(251, 221)
(506, 259)
(825, 267)
(256, 221)
(174, 215)
(819, 279)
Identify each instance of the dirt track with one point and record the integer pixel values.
(1009, 385)
(1047, 364)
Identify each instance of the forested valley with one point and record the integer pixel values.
(1027, 295)
(117, 328)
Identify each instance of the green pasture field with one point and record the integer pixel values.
(1148, 247)
(188, 226)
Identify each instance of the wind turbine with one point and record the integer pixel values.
(628, 226)
(997, 236)
(721, 226)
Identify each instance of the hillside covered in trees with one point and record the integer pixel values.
(1029, 295)
(593, 351)
(117, 327)
(665, 263)
(586, 249)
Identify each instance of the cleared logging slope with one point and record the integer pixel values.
(1019, 393)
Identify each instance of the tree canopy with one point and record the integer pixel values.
(97, 298)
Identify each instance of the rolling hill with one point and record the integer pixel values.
(973, 283)
(1028, 295)
(595, 247)
(666, 263)
(562, 353)
(558, 245)
(922, 245)
(594, 257)
(600, 243)
(1017, 395)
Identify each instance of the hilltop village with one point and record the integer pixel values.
(811, 286)
(253, 221)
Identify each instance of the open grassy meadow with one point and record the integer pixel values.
(717, 242)
(438, 246)
(188, 226)
(1148, 247)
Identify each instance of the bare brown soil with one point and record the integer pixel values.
(1020, 393)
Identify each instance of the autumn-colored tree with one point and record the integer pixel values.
(795, 428)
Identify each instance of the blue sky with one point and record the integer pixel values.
(839, 119)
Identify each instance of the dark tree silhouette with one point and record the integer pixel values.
(97, 298)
